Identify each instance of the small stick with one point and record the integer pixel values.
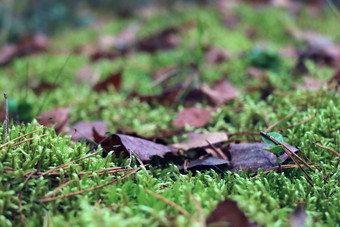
(199, 209)
(276, 167)
(6, 117)
(59, 167)
(43, 200)
(30, 139)
(243, 133)
(170, 203)
(280, 121)
(328, 149)
(219, 153)
(299, 123)
(4, 145)
(288, 152)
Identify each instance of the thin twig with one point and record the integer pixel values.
(243, 133)
(200, 210)
(328, 149)
(4, 145)
(219, 153)
(6, 117)
(43, 200)
(276, 167)
(30, 139)
(61, 166)
(299, 123)
(289, 153)
(19, 198)
(170, 203)
(280, 121)
(55, 191)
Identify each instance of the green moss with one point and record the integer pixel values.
(268, 199)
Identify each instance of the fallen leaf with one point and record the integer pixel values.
(164, 40)
(57, 117)
(114, 79)
(44, 86)
(200, 141)
(125, 144)
(311, 83)
(252, 155)
(7, 53)
(221, 92)
(336, 76)
(298, 217)
(86, 75)
(214, 55)
(126, 38)
(193, 116)
(228, 213)
(84, 130)
(203, 164)
(104, 54)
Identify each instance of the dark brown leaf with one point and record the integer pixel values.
(44, 86)
(115, 80)
(84, 130)
(7, 53)
(221, 92)
(252, 155)
(298, 217)
(215, 56)
(311, 84)
(192, 116)
(228, 211)
(57, 117)
(164, 40)
(204, 163)
(142, 148)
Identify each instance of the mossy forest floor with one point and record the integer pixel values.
(260, 33)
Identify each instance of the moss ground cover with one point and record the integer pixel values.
(268, 199)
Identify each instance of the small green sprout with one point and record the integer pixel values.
(275, 149)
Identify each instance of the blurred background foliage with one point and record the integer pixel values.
(19, 17)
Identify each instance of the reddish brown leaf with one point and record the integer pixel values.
(104, 54)
(86, 75)
(192, 116)
(7, 53)
(115, 80)
(84, 130)
(142, 148)
(215, 56)
(311, 84)
(221, 92)
(200, 141)
(44, 86)
(164, 40)
(228, 211)
(252, 155)
(336, 76)
(204, 163)
(57, 117)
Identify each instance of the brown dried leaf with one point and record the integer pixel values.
(201, 141)
(57, 117)
(204, 163)
(228, 211)
(142, 148)
(215, 56)
(193, 116)
(86, 75)
(164, 40)
(311, 84)
(84, 130)
(221, 92)
(252, 155)
(115, 80)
